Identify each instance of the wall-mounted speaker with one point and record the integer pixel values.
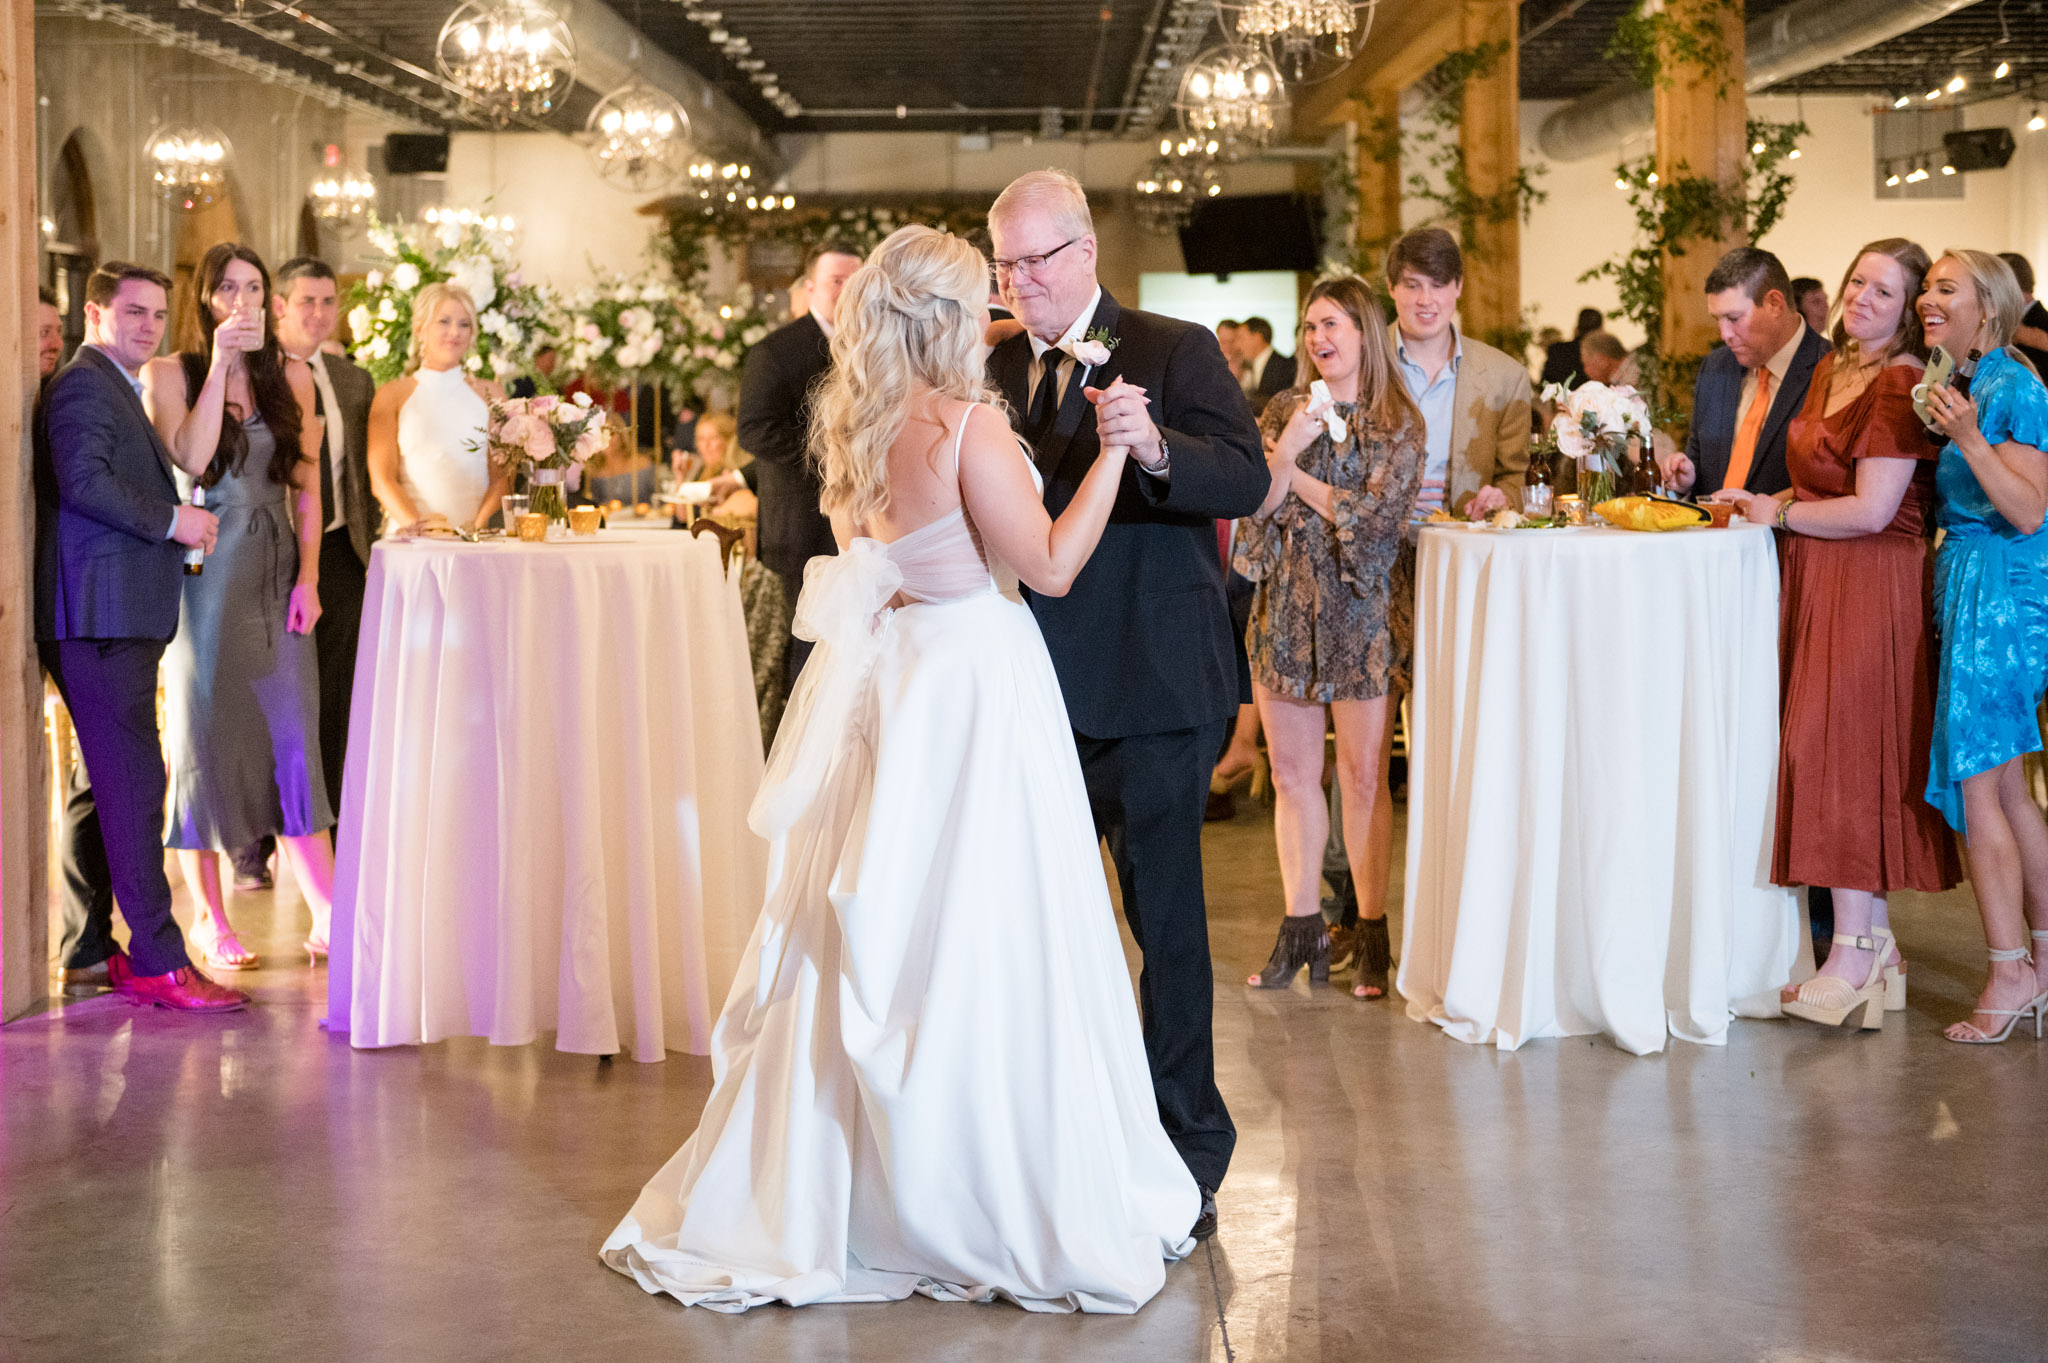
(417, 154)
(1978, 148)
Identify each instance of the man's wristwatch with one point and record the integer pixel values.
(1165, 461)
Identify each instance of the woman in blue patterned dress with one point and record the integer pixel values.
(1991, 610)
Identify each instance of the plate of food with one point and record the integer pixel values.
(1650, 513)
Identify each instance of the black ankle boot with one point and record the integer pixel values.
(1302, 942)
(1375, 957)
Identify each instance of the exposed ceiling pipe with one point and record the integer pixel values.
(1799, 38)
(604, 62)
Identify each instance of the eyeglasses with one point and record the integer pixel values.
(1029, 264)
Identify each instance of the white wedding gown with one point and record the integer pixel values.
(442, 463)
(929, 1075)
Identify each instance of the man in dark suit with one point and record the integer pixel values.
(1750, 388)
(1747, 393)
(308, 308)
(1267, 373)
(110, 538)
(1147, 660)
(774, 426)
(1561, 358)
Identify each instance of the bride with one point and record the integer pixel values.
(428, 464)
(929, 1075)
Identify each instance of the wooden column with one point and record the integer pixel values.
(1701, 129)
(1377, 118)
(1490, 132)
(24, 806)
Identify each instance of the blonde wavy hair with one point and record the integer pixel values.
(906, 324)
(425, 305)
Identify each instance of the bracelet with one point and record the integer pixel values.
(1784, 510)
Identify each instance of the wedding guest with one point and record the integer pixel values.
(111, 537)
(49, 337)
(428, 464)
(774, 419)
(1856, 638)
(308, 311)
(2031, 338)
(720, 461)
(1267, 372)
(1810, 296)
(682, 434)
(1148, 665)
(241, 680)
(1750, 388)
(1561, 358)
(1320, 548)
(1991, 611)
(1474, 401)
(1230, 340)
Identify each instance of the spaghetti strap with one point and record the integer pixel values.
(959, 436)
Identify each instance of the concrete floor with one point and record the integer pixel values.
(246, 1188)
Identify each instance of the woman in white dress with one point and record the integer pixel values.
(428, 462)
(929, 1075)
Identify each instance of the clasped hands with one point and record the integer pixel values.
(1123, 416)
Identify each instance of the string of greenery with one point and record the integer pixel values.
(1693, 36)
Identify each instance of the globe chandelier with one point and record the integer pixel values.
(342, 200)
(639, 137)
(189, 164)
(1233, 96)
(1181, 176)
(515, 58)
(1311, 39)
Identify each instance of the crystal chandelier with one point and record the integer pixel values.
(1233, 96)
(1311, 38)
(639, 137)
(1181, 176)
(189, 164)
(342, 201)
(516, 58)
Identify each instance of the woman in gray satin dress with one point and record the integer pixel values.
(241, 683)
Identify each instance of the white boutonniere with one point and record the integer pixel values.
(1093, 349)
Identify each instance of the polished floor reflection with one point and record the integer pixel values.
(247, 1188)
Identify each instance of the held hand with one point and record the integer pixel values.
(1300, 432)
(433, 520)
(239, 334)
(1430, 497)
(195, 528)
(1676, 471)
(303, 611)
(725, 485)
(1123, 417)
(1752, 507)
(1485, 502)
(1953, 414)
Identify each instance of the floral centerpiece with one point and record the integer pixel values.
(546, 436)
(719, 336)
(514, 318)
(1595, 425)
(619, 331)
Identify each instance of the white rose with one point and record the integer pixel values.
(512, 336)
(476, 276)
(493, 323)
(581, 399)
(374, 280)
(387, 311)
(379, 348)
(359, 322)
(449, 235)
(473, 363)
(405, 277)
(653, 293)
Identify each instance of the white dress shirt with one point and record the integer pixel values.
(1069, 338)
(336, 438)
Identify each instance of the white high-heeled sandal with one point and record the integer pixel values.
(2035, 1007)
(1831, 1002)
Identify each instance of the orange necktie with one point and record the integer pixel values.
(1744, 453)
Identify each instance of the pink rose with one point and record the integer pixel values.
(591, 442)
(540, 441)
(545, 403)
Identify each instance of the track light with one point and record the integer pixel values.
(2002, 70)
(2036, 123)
(1902, 101)
(1891, 181)
(1947, 169)
(1956, 83)
(1934, 94)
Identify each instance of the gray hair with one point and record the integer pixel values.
(1052, 192)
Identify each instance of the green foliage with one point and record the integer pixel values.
(1644, 36)
(1672, 216)
(687, 236)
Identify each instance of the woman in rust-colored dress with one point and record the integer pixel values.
(1856, 641)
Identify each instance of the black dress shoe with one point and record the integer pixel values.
(1222, 805)
(1205, 1224)
(84, 979)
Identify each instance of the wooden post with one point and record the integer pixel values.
(1377, 120)
(1701, 127)
(1490, 133)
(24, 801)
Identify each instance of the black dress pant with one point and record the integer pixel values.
(1148, 793)
(109, 685)
(86, 908)
(343, 580)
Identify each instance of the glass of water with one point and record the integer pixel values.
(515, 505)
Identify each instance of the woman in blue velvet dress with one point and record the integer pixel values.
(1991, 610)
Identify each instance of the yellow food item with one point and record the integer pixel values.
(1438, 515)
(1649, 513)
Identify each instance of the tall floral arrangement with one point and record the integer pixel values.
(514, 318)
(719, 336)
(1595, 424)
(618, 330)
(546, 436)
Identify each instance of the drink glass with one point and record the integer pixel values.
(1537, 499)
(515, 505)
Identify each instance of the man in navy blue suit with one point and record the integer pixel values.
(111, 538)
(1148, 662)
(1748, 391)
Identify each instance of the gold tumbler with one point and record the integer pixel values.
(533, 528)
(584, 520)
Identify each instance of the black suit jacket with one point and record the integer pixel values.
(1715, 397)
(1143, 641)
(105, 502)
(1276, 378)
(774, 421)
(354, 389)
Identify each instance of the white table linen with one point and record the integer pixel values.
(1592, 786)
(552, 749)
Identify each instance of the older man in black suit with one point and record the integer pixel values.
(1147, 660)
(774, 426)
(110, 537)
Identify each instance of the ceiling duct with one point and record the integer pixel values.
(1799, 38)
(605, 61)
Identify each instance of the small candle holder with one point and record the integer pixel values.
(1572, 509)
(584, 520)
(533, 528)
